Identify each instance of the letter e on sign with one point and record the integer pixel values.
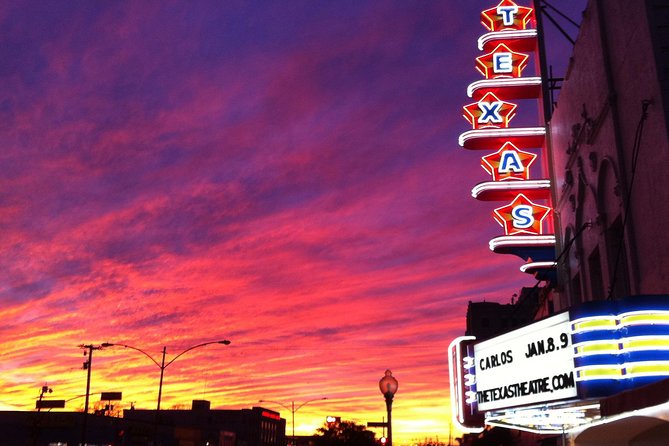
(502, 63)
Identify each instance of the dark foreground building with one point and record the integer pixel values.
(203, 426)
(200, 426)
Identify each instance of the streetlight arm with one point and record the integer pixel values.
(292, 409)
(136, 349)
(315, 399)
(276, 402)
(226, 342)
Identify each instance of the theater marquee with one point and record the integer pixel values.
(529, 365)
(549, 375)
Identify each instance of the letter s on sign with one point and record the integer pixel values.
(507, 357)
(523, 217)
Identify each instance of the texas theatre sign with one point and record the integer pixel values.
(526, 366)
(526, 213)
(550, 375)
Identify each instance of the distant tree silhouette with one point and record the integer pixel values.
(344, 433)
(497, 436)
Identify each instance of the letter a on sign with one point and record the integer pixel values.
(508, 163)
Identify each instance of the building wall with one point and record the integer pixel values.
(488, 319)
(249, 427)
(245, 427)
(593, 130)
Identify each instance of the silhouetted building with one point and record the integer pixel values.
(488, 319)
(203, 426)
(50, 428)
(200, 426)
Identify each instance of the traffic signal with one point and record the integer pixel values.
(383, 440)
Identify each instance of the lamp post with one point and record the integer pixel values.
(162, 365)
(293, 409)
(388, 386)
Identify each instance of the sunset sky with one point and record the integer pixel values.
(282, 174)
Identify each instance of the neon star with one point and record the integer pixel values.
(508, 163)
(507, 15)
(521, 216)
(490, 111)
(501, 62)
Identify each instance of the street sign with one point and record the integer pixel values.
(49, 404)
(111, 396)
(377, 424)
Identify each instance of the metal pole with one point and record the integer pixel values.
(389, 408)
(292, 408)
(160, 394)
(293, 422)
(547, 106)
(563, 437)
(162, 372)
(89, 364)
(162, 367)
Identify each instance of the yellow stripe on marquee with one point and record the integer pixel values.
(648, 368)
(611, 372)
(650, 318)
(594, 323)
(598, 347)
(645, 343)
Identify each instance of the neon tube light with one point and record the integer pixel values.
(530, 86)
(495, 133)
(522, 241)
(594, 323)
(537, 265)
(456, 396)
(510, 186)
(527, 36)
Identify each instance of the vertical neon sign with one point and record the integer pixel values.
(526, 215)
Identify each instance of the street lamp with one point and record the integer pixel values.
(162, 365)
(293, 409)
(388, 385)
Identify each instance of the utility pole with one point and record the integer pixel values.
(87, 366)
